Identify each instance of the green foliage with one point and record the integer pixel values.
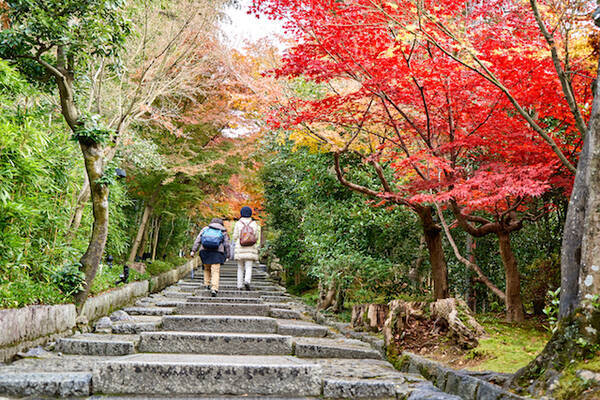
(325, 232)
(157, 267)
(69, 279)
(551, 310)
(84, 28)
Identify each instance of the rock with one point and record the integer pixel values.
(120, 315)
(104, 325)
(82, 324)
(589, 376)
(138, 266)
(36, 352)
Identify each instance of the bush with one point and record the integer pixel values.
(158, 267)
(69, 279)
(25, 292)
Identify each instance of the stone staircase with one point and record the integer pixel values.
(182, 343)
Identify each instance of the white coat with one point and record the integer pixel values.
(246, 252)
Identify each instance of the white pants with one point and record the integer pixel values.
(244, 264)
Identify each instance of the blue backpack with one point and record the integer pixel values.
(212, 239)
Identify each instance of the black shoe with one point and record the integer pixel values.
(213, 293)
(247, 286)
(207, 287)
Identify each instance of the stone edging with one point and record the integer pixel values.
(22, 328)
(448, 380)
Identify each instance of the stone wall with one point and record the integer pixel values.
(22, 328)
(460, 383)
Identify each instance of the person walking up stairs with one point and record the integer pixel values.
(215, 249)
(246, 238)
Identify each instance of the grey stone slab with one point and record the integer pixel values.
(215, 343)
(431, 394)
(223, 309)
(176, 294)
(135, 327)
(301, 328)
(55, 384)
(333, 348)
(228, 293)
(462, 385)
(221, 299)
(488, 391)
(95, 345)
(149, 310)
(215, 323)
(285, 313)
(207, 375)
(357, 389)
(276, 299)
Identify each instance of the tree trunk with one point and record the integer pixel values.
(143, 244)
(155, 239)
(514, 304)
(433, 238)
(140, 233)
(94, 166)
(166, 245)
(84, 196)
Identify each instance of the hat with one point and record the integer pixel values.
(217, 221)
(246, 212)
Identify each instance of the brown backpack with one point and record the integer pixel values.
(247, 235)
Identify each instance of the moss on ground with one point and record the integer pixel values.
(507, 347)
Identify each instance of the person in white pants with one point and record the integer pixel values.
(246, 237)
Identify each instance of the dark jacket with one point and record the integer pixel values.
(213, 256)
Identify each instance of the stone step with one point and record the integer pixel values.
(241, 397)
(215, 343)
(229, 293)
(276, 299)
(149, 310)
(285, 313)
(206, 308)
(217, 323)
(231, 286)
(207, 375)
(334, 348)
(97, 345)
(176, 294)
(45, 384)
(128, 327)
(301, 328)
(221, 299)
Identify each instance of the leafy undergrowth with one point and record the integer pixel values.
(24, 291)
(505, 348)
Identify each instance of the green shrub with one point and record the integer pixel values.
(69, 279)
(157, 267)
(25, 292)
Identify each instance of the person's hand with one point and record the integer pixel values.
(192, 254)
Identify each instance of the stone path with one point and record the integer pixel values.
(242, 344)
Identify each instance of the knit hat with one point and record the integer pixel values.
(246, 212)
(217, 221)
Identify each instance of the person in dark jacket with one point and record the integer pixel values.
(213, 258)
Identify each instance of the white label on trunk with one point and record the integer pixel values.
(595, 268)
(589, 280)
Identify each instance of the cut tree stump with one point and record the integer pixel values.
(369, 317)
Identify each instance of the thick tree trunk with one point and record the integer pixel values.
(433, 239)
(514, 303)
(94, 165)
(140, 233)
